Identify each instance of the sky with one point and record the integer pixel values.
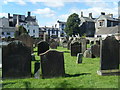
(48, 12)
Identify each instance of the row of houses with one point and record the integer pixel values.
(103, 26)
(9, 25)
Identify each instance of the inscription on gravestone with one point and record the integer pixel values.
(52, 64)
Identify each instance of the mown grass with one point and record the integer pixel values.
(77, 76)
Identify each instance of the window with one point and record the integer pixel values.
(8, 33)
(2, 33)
(101, 23)
(33, 31)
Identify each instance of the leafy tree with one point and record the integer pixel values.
(21, 30)
(72, 24)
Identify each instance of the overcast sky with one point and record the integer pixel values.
(48, 12)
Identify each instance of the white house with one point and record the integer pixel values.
(5, 29)
(29, 23)
(61, 26)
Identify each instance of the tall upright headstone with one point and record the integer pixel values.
(75, 48)
(84, 45)
(43, 46)
(16, 60)
(109, 56)
(52, 64)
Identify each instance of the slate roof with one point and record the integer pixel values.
(84, 19)
(107, 30)
(106, 17)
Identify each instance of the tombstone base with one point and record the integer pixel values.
(108, 72)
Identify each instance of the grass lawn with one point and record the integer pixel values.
(77, 76)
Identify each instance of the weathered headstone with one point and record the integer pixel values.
(37, 70)
(43, 46)
(53, 45)
(75, 48)
(16, 60)
(87, 54)
(68, 44)
(84, 45)
(64, 44)
(52, 64)
(95, 50)
(109, 56)
(79, 58)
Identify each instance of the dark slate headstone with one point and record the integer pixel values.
(16, 60)
(75, 48)
(52, 64)
(92, 42)
(95, 50)
(110, 54)
(43, 46)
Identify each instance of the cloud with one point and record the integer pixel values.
(61, 3)
(21, 2)
(4, 15)
(46, 12)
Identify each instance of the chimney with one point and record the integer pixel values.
(29, 13)
(90, 15)
(17, 24)
(8, 15)
(102, 13)
(111, 15)
(81, 14)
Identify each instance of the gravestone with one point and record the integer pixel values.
(43, 46)
(52, 64)
(16, 60)
(88, 41)
(87, 54)
(53, 45)
(84, 45)
(92, 42)
(109, 56)
(95, 50)
(79, 58)
(75, 48)
(64, 44)
(37, 70)
(68, 44)
(27, 40)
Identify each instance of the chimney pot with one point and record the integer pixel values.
(29, 13)
(102, 13)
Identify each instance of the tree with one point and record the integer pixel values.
(21, 30)
(72, 24)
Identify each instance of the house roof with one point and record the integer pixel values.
(107, 30)
(88, 19)
(108, 17)
(8, 29)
